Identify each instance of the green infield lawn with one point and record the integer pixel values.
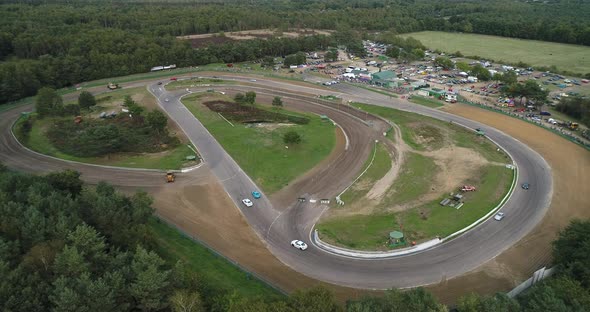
(217, 274)
(370, 232)
(573, 58)
(426, 219)
(259, 148)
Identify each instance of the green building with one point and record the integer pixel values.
(386, 78)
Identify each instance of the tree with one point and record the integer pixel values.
(509, 77)
(497, 77)
(250, 97)
(292, 137)
(498, 302)
(268, 61)
(240, 98)
(186, 301)
(462, 66)
(150, 284)
(48, 102)
(132, 106)
(571, 250)
(157, 121)
(444, 62)
(68, 181)
(481, 72)
(86, 99)
(331, 55)
(277, 102)
(317, 299)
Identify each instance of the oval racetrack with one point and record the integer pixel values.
(280, 221)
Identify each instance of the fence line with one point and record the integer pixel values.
(538, 276)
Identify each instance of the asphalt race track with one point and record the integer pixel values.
(279, 222)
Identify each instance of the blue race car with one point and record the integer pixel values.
(256, 194)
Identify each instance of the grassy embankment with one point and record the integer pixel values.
(426, 220)
(260, 150)
(38, 141)
(426, 101)
(569, 57)
(216, 273)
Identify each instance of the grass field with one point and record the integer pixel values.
(217, 274)
(426, 219)
(426, 101)
(380, 166)
(260, 151)
(572, 58)
(414, 180)
(370, 232)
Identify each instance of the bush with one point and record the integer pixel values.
(292, 137)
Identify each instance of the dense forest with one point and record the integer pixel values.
(59, 45)
(65, 246)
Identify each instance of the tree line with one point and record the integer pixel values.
(59, 45)
(65, 246)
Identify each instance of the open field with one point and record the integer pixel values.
(426, 101)
(370, 232)
(572, 58)
(218, 275)
(259, 148)
(203, 40)
(411, 134)
(437, 158)
(174, 158)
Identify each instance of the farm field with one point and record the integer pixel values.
(258, 147)
(172, 158)
(437, 159)
(572, 58)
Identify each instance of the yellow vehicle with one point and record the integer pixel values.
(170, 177)
(573, 125)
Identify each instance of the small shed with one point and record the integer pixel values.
(396, 237)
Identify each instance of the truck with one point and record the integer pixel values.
(451, 98)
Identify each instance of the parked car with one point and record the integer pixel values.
(159, 83)
(499, 216)
(256, 194)
(173, 79)
(247, 202)
(299, 244)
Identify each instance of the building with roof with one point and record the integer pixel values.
(386, 78)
